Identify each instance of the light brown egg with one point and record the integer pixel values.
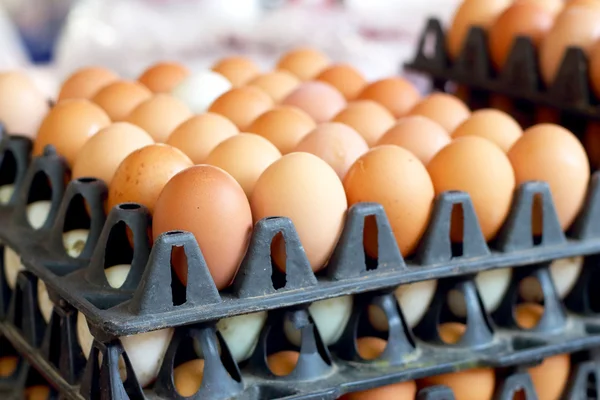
(68, 126)
(277, 84)
(86, 82)
(307, 190)
(445, 109)
(451, 332)
(238, 70)
(143, 174)
(199, 135)
(582, 3)
(188, 376)
(8, 365)
(368, 118)
(398, 95)
(160, 115)
(551, 153)
(524, 18)
(552, 6)
(345, 78)
(370, 348)
(496, 126)
(209, 203)
(38, 392)
(305, 63)
(162, 77)
(283, 362)
(120, 98)
(101, 155)
(284, 126)
(419, 135)
(480, 168)
(244, 157)
(320, 100)
(594, 67)
(22, 105)
(242, 105)
(337, 144)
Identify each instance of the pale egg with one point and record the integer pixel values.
(199, 90)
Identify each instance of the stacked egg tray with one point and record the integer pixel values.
(151, 299)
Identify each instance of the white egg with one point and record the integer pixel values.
(37, 213)
(117, 274)
(6, 192)
(74, 241)
(201, 89)
(330, 317)
(44, 301)
(565, 273)
(12, 266)
(491, 285)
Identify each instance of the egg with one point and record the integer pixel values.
(581, 3)
(200, 89)
(241, 333)
(494, 125)
(68, 126)
(244, 156)
(492, 286)
(396, 179)
(419, 135)
(284, 126)
(142, 175)
(318, 99)
(8, 365)
(38, 392)
(337, 144)
(86, 82)
(22, 105)
(345, 78)
(283, 362)
(594, 69)
(120, 98)
(37, 213)
(552, 6)
(445, 109)
(277, 84)
(396, 94)
(242, 105)
(160, 115)
(200, 134)
(12, 266)
(307, 190)
(591, 142)
(368, 118)
(101, 155)
(44, 303)
(551, 153)
(238, 70)
(187, 377)
(305, 63)
(163, 76)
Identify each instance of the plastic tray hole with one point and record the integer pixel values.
(593, 295)
(519, 394)
(537, 219)
(8, 366)
(592, 385)
(76, 226)
(41, 189)
(179, 273)
(457, 230)
(129, 206)
(278, 278)
(228, 362)
(370, 347)
(118, 248)
(283, 362)
(530, 291)
(371, 242)
(377, 319)
(8, 169)
(55, 346)
(87, 180)
(528, 315)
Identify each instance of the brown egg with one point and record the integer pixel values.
(142, 175)
(551, 153)
(160, 115)
(162, 77)
(86, 82)
(209, 203)
(398, 95)
(451, 332)
(552, 6)
(307, 190)
(368, 118)
(582, 3)
(101, 155)
(284, 126)
(188, 376)
(395, 391)
(238, 70)
(524, 18)
(277, 84)
(244, 157)
(419, 135)
(305, 63)
(370, 348)
(199, 135)
(480, 168)
(496, 126)
(68, 126)
(242, 105)
(395, 178)
(337, 144)
(283, 362)
(8, 365)
(344, 78)
(22, 105)
(38, 392)
(594, 67)
(120, 98)
(591, 142)
(318, 99)
(445, 109)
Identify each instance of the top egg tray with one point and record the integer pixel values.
(152, 298)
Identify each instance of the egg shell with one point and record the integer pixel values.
(496, 126)
(320, 100)
(277, 84)
(160, 115)
(238, 70)
(120, 98)
(552, 6)
(582, 3)
(370, 348)
(396, 94)
(244, 156)
(187, 377)
(199, 90)
(242, 105)
(307, 190)
(337, 144)
(8, 365)
(345, 78)
(395, 178)
(443, 108)
(162, 77)
(368, 118)
(305, 63)
(142, 175)
(208, 202)
(551, 153)
(594, 67)
(283, 362)
(86, 82)
(38, 392)
(68, 126)
(284, 126)
(591, 142)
